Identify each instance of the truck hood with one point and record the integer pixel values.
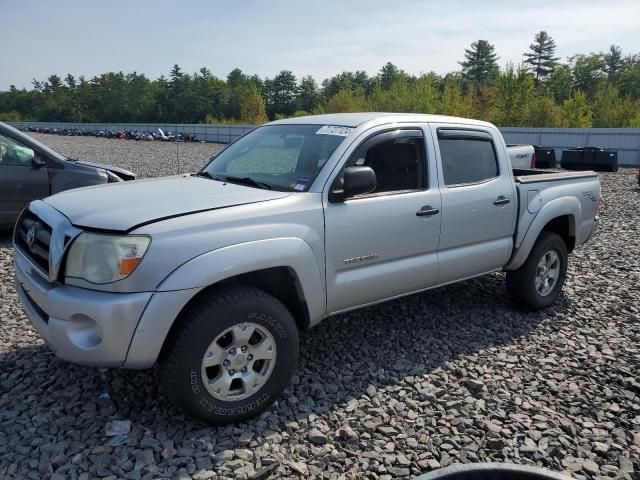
(124, 206)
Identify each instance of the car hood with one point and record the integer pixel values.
(120, 172)
(124, 206)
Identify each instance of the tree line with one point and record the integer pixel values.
(588, 90)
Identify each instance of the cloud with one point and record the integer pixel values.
(307, 37)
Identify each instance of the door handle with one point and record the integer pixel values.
(426, 211)
(501, 200)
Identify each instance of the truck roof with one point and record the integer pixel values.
(357, 119)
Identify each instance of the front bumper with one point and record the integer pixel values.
(82, 326)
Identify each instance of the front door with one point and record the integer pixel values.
(21, 179)
(384, 244)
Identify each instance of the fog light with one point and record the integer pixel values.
(84, 332)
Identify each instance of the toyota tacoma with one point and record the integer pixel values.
(214, 274)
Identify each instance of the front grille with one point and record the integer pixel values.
(34, 245)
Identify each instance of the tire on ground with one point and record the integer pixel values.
(181, 362)
(521, 283)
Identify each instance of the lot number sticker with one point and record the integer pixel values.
(334, 130)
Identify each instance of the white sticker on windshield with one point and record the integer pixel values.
(334, 130)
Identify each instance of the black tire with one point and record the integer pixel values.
(521, 283)
(181, 371)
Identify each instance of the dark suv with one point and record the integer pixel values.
(30, 170)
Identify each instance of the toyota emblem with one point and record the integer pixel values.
(31, 235)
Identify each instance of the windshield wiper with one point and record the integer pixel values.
(230, 178)
(204, 173)
(248, 181)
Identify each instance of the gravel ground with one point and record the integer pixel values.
(145, 158)
(451, 375)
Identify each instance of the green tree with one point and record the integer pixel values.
(593, 89)
(613, 62)
(540, 57)
(11, 116)
(309, 95)
(454, 102)
(347, 100)
(209, 95)
(560, 83)
(252, 106)
(425, 94)
(629, 81)
(607, 107)
(576, 112)
(281, 94)
(587, 72)
(513, 96)
(237, 79)
(480, 64)
(70, 81)
(346, 81)
(389, 74)
(543, 112)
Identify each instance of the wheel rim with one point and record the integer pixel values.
(547, 273)
(238, 362)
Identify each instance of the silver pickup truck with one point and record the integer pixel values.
(213, 274)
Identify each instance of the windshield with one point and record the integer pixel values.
(283, 157)
(30, 142)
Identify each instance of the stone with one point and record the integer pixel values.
(118, 427)
(317, 437)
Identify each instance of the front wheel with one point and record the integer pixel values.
(538, 282)
(231, 357)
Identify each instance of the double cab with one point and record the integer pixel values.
(214, 274)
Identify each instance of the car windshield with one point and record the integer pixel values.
(281, 157)
(28, 141)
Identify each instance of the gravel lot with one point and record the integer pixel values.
(145, 158)
(451, 375)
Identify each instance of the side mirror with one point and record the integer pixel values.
(38, 162)
(355, 181)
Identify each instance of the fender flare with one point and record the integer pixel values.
(226, 262)
(555, 208)
(179, 287)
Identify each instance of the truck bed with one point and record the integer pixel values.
(538, 188)
(522, 175)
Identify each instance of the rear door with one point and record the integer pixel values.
(478, 201)
(384, 244)
(21, 179)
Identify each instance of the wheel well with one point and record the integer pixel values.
(563, 227)
(281, 282)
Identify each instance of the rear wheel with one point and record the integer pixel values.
(232, 356)
(538, 282)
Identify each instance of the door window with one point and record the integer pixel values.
(14, 153)
(467, 157)
(397, 158)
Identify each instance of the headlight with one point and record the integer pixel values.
(101, 258)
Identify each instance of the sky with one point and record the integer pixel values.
(318, 38)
